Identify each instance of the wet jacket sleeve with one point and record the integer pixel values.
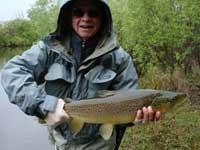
(22, 77)
(126, 78)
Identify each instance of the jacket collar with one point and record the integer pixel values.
(104, 46)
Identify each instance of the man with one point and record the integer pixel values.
(80, 58)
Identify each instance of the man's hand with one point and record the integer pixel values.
(147, 114)
(59, 116)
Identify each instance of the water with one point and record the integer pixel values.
(17, 130)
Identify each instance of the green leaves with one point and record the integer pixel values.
(165, 32)
(44, 16)
(24, 31)
(18, 32)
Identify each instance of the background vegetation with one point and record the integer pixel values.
(163, 32)
(25, 31)
(163, 37)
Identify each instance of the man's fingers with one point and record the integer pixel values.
(145, 114)
(157, 115)
(150, 113)
(139, 116)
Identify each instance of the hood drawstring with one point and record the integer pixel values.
(83, 45)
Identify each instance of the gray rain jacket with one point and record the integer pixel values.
(48, 71)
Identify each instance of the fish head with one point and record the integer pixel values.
(168, 100)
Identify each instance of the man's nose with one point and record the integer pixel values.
(85, 16)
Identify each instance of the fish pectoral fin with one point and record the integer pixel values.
(106, 131)
(75, 125)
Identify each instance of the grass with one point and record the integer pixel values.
(175, 131)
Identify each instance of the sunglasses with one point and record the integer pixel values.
(78, 12)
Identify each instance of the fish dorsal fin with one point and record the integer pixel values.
(75, 125)
(106, 131)
(104, 93)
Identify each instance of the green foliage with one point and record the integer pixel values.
(162, 32)
(41, 21)
(17, 32)
(44, 16)
(176, 131)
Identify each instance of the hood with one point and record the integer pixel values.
(63, 2)
(63, 22)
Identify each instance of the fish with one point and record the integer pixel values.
(117, 107)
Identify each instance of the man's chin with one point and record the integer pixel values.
(85, 37)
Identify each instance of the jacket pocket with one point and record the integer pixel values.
(58, 71)
(59, 79)
(99, 78)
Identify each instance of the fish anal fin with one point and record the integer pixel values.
(75, 125)
(106, 131)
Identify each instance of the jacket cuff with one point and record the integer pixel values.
(49, 105)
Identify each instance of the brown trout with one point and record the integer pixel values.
(118, 107)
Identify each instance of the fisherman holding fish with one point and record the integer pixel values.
(81, 57)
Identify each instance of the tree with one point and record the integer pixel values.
(44, 15)
(162, 32)
(18, 32)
